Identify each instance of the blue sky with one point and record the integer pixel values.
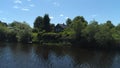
(60, 10)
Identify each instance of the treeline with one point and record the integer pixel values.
(75, 31)
(15, 32)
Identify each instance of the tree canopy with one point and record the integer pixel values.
(77, 31)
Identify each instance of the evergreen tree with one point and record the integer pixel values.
(46, 23)
(38, 24)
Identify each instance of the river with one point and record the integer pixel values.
(14, 55)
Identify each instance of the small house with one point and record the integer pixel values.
(60, 27)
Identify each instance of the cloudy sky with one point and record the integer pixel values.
(59, 10)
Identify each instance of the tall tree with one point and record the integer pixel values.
(46, 23)
(68, 21)
(38, 24)
(78, 24)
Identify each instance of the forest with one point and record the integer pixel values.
(74, 32)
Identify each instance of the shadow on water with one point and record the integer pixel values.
(92, 59)
(34, 56)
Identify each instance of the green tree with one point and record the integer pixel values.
(90, 31)
(3, 32)
(3, 23)
(46, 23)
(68, 21)
(78, 24)
(109, 24)
(104, 36)
(117, 27)
(116, 33)
(11, 35)
(38, 24)
(52, 27)
(25, 36)
(23, 30)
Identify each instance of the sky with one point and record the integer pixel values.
(60, 10)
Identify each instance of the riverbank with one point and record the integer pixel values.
(76, 32)
(69, 44)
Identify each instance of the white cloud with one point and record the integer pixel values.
(66, 17)
(16, 7)
(3, 19)
(56, 4)
(61, 15)
(18, 1)
(32, 5)
(25, 9)
(51, 17)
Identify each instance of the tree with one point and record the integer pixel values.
(118, 27)
(109, 24)
(12, 35)
(78, 24)
(38, 24)
(104, 36)
(3, 23)
(90, 31)
(52, 27)
(25, 36)
(68, 21)
(116, 33)
(3, 32)
(46, 23)
(23, 31)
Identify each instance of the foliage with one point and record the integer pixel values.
(77, 25)
(52, 27)
(104, 36)
(78, 31)
(68, 22)
(46, 23)
(43, 23)
(49, 37)
(109, 24)
(90, 31)
(35, 37)
(3, 32)
(38, 24)
(23, 31)
(11, 36)
(116, 33)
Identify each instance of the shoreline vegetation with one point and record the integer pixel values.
(75, 32)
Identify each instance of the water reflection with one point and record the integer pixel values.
(34, 56)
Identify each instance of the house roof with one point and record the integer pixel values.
(62, 25)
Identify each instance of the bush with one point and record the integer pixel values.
(34, 37)
(49, 37)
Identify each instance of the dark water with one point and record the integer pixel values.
(34, 56)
